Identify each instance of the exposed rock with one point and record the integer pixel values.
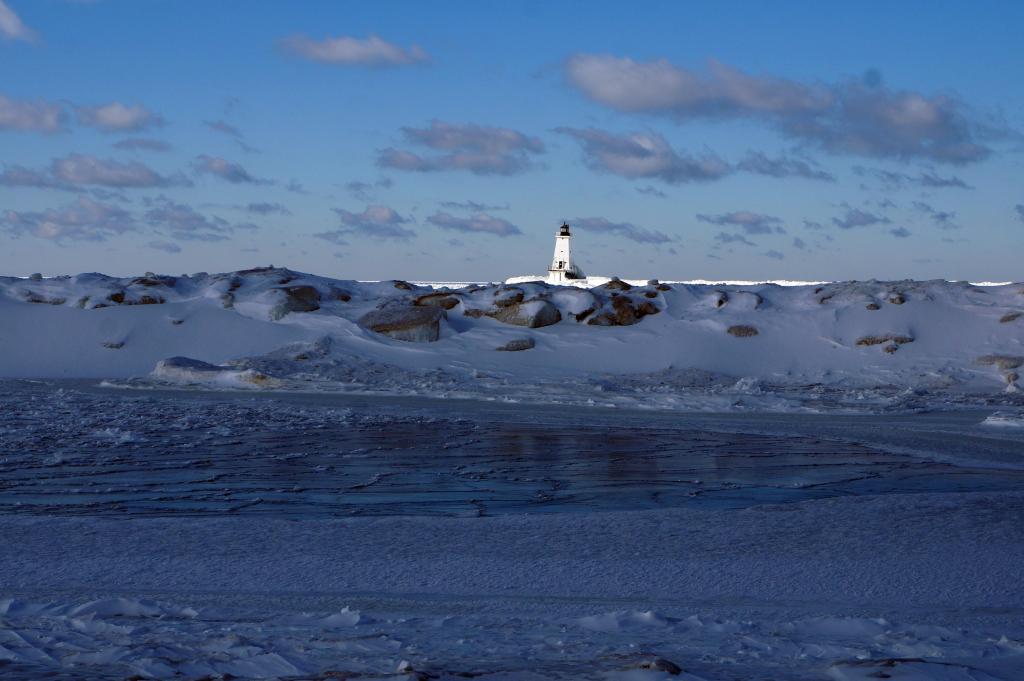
(1010, 316)
(517, 345)
(890, 348)
(147, 300)
(177, 322)
(663, 287)
(35, 276)
(719, 298)
(227, 300)
(580, 316)
(504, 297)
(406, 323)
(297, 299)
(624, 312)
(873, 306)
(889, 337)
(475, 313)
(443, 299)
(151, 279)
(616, 284)
(650, 294)
(1004, 362)
(532, 313)
(33, 297)
(897, 299)
(660, 664)
(402, 285)
(113, 345)
(1012, 377)
(339, 294)
(652, 282)
(741, 331)
(116, 297)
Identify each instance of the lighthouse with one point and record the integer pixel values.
(562, 268)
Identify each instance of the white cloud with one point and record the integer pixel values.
(117, 117)
(349, 51)
(11, 26)
(478, 223)
(37, 116)
(83, 220)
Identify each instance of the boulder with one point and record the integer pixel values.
(742, 331)
(884, 338)
(873, 306)
(517, 345)
(406, 323)
(532, 313)
(1004, 362)
(616, 284)
(897, 299)
(442, 299)
(1010, 317)
(296, 299)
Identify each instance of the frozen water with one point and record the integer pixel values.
(194, 535)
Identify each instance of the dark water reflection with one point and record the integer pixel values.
(87, 451)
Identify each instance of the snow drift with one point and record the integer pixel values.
(665, 344)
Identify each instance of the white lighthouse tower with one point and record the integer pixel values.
(562, 268)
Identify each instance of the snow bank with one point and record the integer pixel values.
(615, 342)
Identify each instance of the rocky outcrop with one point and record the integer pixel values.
(742, 331)
(624, 312)
(532, 313)
(296, 299)
(616, 284)
(517, 345)
(442, 299)
(406, 323)
(1003, 362)
(1010, 317)
(884, 338)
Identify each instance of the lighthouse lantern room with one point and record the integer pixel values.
(563, 269)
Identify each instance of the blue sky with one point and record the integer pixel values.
(448, 140)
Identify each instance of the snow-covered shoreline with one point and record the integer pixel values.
(847, 345)
(797, 592)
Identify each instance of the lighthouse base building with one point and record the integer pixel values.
(563, 270)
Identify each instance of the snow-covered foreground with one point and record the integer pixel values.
(875, 346)
(207, 535)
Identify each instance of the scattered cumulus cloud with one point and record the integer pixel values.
(142, 144)
(944, 219)
(349, 51)
(165, 246)
(650, 190)
(644, 155)
(855, 217)
(760, 164)
(267, 208)
(478, 223)
(727, 238)
(900, 232)
(624, 229)
(751, 223)
(75, 171)
(184, 223)
(35, 116)
(799, 244)
(82, 220)
(1020, 211)
(858, 116)
(478, 149)
(474, 206)
(775, 255)
(378, 222)
(364, 191)
(893, 180)
(117, 117)
(225, 170)
(11, 26)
